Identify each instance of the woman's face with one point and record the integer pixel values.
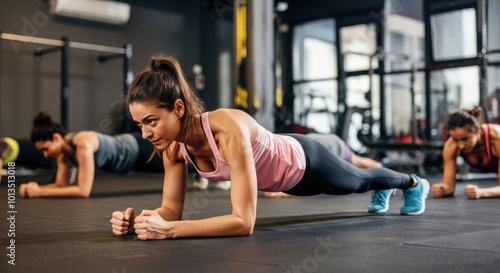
(158, 125)
(51, 148)
(465, 139)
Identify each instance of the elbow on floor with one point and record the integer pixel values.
(247, 229)
(84, 194)
(245, 232)
(245, 226)
(250, 232)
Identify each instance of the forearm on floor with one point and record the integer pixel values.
(220, 226)
(70, 191)
(490, 192)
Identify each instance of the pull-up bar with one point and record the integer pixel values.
(63, 45)
(60, 43)
(29, 39)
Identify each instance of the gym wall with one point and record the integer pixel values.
(28, 86)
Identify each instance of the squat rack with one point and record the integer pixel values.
(63, 46)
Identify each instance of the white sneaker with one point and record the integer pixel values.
(201, 183)
(223, 185)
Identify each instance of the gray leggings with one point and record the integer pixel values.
(329, 174)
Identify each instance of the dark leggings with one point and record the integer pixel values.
(329, 174)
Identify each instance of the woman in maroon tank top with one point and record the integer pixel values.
(478, 143)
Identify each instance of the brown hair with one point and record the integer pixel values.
(472, 117)
(162, 83)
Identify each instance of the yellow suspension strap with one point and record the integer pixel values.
(241, 96)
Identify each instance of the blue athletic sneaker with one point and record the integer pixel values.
(380, 200)
(415, 197)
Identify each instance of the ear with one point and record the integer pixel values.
(179, 108)
(56, 137)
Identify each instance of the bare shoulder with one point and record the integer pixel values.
(227, 120)
(86, 139)
(495, 137)
(495, 131)
(450, 148)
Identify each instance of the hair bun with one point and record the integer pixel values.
(163, 64)
(43, 118)
(478, 113)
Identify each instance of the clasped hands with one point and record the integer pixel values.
(30, 190)
(148, 225)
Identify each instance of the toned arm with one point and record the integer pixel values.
(447, 187)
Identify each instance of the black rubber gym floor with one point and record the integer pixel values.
(300, 234)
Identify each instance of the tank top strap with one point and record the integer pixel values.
(487, 140)
(205, 123)
(71, 155)
(70, 140)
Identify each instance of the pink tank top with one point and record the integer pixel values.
(279, 160)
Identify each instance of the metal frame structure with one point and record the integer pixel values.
(63, 46)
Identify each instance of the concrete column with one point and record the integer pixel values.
(261, 54)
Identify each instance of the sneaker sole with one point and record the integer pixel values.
(386, 204)
(424, 196)
(378, 211)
